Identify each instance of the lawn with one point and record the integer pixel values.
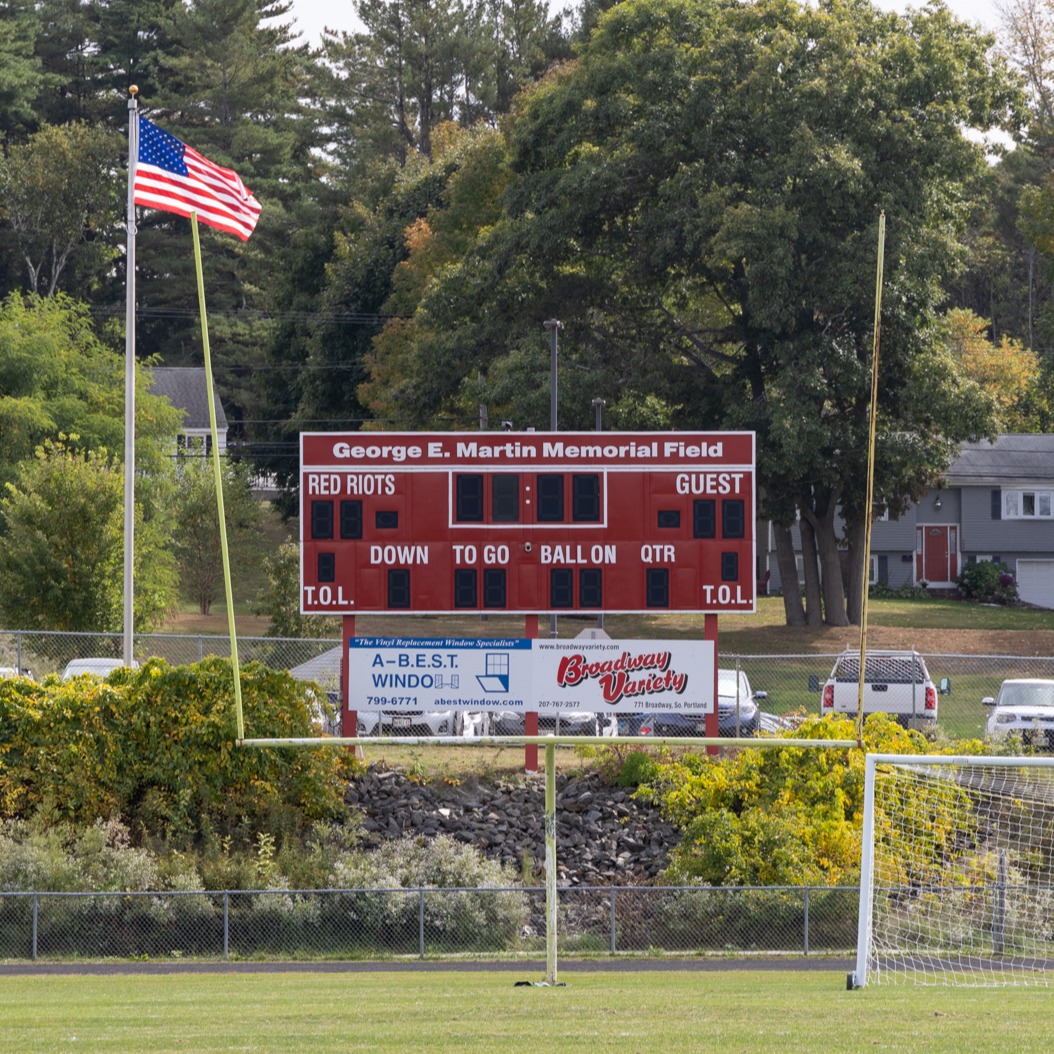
(639, 1011)
(761, 632)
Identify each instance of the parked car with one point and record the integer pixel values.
(895, 683)
(14, 671)
(1024, 706)
(421, 723)
(98, 666)
(738, 713)
(564, 723)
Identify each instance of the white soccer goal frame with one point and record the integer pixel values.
(944, 966)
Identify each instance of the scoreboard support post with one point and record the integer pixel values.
(712, 718)
(349, 719)
(530, 718)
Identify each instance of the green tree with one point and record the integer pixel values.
(421, 63)
(21, 75)
(61, 198)
(62, 546)
(197, 542)
(235, 87)
(279, 599)
(58, 377)
(697, 199)
(406, 72)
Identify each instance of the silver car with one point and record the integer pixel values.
(421, 723)
(1024, 706)
(565, 723)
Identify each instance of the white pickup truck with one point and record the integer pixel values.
(895, 683)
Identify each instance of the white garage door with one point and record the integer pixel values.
(1035, 582)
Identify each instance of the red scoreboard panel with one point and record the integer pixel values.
(526, 522)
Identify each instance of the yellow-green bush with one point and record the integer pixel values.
(156, 747)
(772, 816)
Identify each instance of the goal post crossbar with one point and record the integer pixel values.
(519, 741)
(926, 902)
(549, 743)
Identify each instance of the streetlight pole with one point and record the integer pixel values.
(598, 407)
(554, 326)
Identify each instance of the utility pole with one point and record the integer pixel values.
(553, 325)
(598, 409)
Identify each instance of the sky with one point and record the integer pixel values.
(312, 15)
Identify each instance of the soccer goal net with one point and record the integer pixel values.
(957, 872)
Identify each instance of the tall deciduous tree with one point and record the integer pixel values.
(197, 542)
(57, 377)
(62, 546)
(698, 197)
(62, 199)
(1009, 371)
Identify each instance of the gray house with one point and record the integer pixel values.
(995, 502)
(186, 389)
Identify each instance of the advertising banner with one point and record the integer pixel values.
(602, 676)
(442, 673)
(627, 676)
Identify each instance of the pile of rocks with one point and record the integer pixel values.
(604, 836)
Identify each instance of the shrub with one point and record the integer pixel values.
(638, 767)
(881, 591)
(988, 582)
(156, 747)
(41, 855)
(773, 817)
(460, 914)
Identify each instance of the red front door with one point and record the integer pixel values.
(936, 554)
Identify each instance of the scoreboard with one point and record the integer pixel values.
(526, 522)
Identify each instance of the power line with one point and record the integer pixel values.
(343, 318)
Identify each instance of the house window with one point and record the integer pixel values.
(872, 573)
(1028, 504)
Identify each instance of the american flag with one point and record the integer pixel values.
(173, 177)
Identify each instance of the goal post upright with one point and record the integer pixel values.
(867, 860)
(957, 871)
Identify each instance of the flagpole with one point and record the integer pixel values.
(239, 718)
(129, 380)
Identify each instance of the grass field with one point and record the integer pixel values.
(666, 1012)
(765, 631)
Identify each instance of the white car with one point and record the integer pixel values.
(1024, 706)
(98, 667)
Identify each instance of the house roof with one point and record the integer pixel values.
(1011, 459)
(324, 668)
(186, 389)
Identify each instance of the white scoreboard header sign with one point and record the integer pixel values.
(604, 676)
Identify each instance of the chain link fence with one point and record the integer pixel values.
(427, 923)
(390, 923)
(791, 683)
(40, 652)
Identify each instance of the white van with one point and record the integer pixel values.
(98, 667)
